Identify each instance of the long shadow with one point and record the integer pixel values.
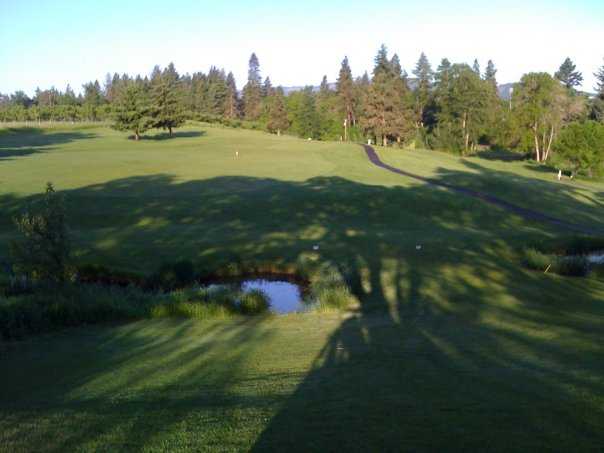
(19, 142)
(451, 346)
(176, 134)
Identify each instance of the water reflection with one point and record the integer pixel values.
(284, 297)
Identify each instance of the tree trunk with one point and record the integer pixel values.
(536, 135)
(384, 140)
(549, 143)
(278, 132)
(170, 130)
(136, 135)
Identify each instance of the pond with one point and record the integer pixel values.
(284, 296)
(596, 258)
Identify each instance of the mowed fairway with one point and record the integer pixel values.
(453, 346)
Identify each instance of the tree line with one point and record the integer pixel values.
(454, 107)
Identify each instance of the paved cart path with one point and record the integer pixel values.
(510, 207)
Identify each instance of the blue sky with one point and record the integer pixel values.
(45, 43)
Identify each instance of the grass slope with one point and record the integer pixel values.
(453, 346)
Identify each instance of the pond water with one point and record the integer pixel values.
(284, 297)
(596, 258)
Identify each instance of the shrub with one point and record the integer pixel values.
(253, 302)
(171, 276)
(43, 253)
(329, 288)
(573, 266)
(580, 148)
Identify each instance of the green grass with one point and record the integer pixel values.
(451, 346)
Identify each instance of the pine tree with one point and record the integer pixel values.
(252, 92)
(568, 75)
(324, 90)
(382, 64)
(305, 118)
(131, 110)
(598, 102)
(166, 100)
(277, 113)
(382, 102)
(216, 92)
(267, 88)
(346, 95)
(600, 82)
(402, 125)
(476, 66)
(231, 109)
(425, 76)
(490, 74)
(93, 98)
(462, 109)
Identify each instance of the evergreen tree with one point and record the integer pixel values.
(568, 75)
(382, 64)
(600, 82)
(476, 66)
(324, 90)
(425, 76)
(490, 74)
(384, 107)
(217, 92)
(93, 97)
(231, 109)
(166, 100)
(305, 118)
(267, 88)
(462, 109)
(346, 93)
(277, 121)
(252, 92)
(131, 110)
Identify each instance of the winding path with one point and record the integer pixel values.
(528, 214)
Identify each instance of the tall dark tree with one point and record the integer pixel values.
(568, 74)
(324, 89)
(267, 88)
(166, 100)
(305, 118)
(598, 102)
(252, 92)
(425, 76)
(277, 120)
(490, 73)
(599, 75)
(384, 101)
(476, 66)
(93, 98)
(231, 109)
(216, 92)
(462, 109)
(346, 93)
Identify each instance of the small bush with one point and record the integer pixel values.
(172, 275)
(43, 252)
(572, 266)
(329, 289)
(254, 302)
(536, 260)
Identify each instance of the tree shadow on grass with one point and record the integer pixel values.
(19, 142)
(452, 345)
(502, 155)
(176, 134)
